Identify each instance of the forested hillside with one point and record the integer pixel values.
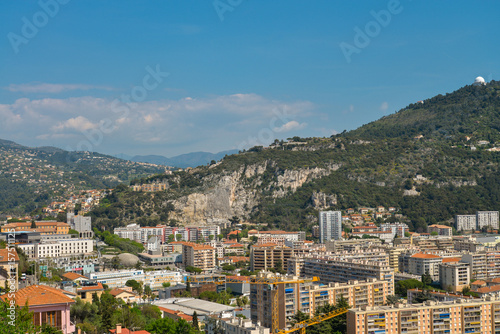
(32, 177)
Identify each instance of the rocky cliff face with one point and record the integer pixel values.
(237, 193)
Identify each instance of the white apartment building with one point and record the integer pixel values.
(155, 279)
(454, 275)
(487, 219)
(465, 222)
(59, 248)
(243, 326)
(330, 226)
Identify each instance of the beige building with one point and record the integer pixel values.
(9, 269)
(441, 230)
(344, 269)
(421, 263)
(294, 296)
(266, 256)
(454, 276)
(87, 291)
(44, 227)
(453, 317)
(199, 256)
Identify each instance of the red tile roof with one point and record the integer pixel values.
(451, 259)
(425, 256)
(36, 295)
(72, 276)
(97, 287)
(115, 292)
(8, 254)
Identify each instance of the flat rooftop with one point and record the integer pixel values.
(190, 305)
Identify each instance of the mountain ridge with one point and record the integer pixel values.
(286, 184)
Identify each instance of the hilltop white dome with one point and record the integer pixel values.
(479, 81)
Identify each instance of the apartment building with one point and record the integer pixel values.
(421, 263)
(454, 275)
(478, 221)
(44, 227)
(483, 265)
(140, 234)
(266, 256)
(239, 325)
(150, 187)
(398, 229)
(344, 269)
(465, 222)
(294, 296)
(440, 230)
(61, 248)
(453, 317)
(79, 223)
(487, 219)
(277, 237)
(199, 256)
(330, 225)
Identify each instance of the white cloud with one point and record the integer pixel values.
(42, 87)
(384, 106)
(215, 121)
(292, 125)
(79, 123)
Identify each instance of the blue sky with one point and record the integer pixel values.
(240, 72)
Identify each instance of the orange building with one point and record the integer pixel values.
(44, 227)
(453, 317)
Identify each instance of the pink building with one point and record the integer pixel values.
(49, 306)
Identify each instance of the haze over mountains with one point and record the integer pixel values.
(192, 159)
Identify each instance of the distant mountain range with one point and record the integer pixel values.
(193, 159)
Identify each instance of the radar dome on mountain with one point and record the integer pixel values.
(479, 81)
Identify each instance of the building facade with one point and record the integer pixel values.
(330, 225)
(454, 276)
(454, 317)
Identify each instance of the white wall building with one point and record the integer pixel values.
(487, 219)
(330, 225)
(155, 279)
(61, 248)
(465, 222)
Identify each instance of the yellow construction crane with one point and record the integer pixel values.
(272, 280)
(301, 326)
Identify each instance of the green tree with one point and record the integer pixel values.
(106, 309)
(46, 329)
(426, 279)
(148, 292)
(75, 232)
(403, 286)
(22, 323)
(165, 284)
(392, 299)
(195, 320)
(136, 286)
